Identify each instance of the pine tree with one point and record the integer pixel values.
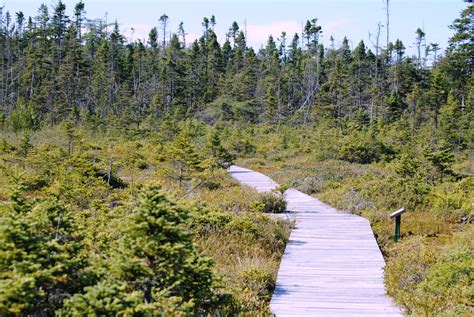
(460, 54)
(452, 123)
(154, 268)
(437, 96)
(25, 143)
(185, 161)
(442, 158)
(41, 256)
(217, 156)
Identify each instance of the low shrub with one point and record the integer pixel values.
(311, 185)
(259, 281)
(453, 201)
(355, 203)
(432, 280)
(272, 202)
(364, 150)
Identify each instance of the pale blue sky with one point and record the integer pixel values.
(353, 18)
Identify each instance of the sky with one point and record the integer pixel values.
(356, 19)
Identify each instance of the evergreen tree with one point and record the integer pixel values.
(154, 268)
(25, 145)
(185, 161)
(453, 123)
(460, 54)
(217, 155)
(55, 67)
(41, 256)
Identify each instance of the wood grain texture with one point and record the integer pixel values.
(332, 265)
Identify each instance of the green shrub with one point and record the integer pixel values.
(354, 202)
(258, 281)
(312, 184)
(272, 202)
(359, 147)
(430, 280)
(453, 200)
(364, 152)
(24, 117)
(407, 267)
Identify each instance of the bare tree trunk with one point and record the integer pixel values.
(377, 81)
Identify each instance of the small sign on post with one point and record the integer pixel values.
(398, 221)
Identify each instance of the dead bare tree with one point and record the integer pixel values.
(377, 82)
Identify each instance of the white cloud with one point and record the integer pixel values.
(191, 37)
(258, 33)
(136, 31)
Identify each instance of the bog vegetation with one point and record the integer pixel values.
(114, 196)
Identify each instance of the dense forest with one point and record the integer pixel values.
(113, 154)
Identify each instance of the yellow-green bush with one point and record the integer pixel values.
(432, 280)
(270, 202)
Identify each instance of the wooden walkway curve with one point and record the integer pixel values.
(332, 265)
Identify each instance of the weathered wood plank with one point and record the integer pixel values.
(332, 265)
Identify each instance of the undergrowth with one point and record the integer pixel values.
(429, 272)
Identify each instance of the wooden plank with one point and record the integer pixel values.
(332, 265)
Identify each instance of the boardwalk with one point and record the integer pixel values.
(332, 265)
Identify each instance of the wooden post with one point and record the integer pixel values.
(398, 221)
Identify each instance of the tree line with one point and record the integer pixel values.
(56, 66)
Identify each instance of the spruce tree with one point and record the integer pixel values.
(217, 156)
(41, 256)
(186, 163)
(154, 267)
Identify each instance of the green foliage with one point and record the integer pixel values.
(217, 155)
(363, 148)
(432, 281)
(169, 128)
(155, 252)
(453, 200)
(240, 144)
(366, 132)
(24, 117)
(259, 281)
(408, 268)
(79, 181)
(112, 299)
(104, 299)
(79, 71)
(423, 174)
(407, 166)
(442, 159)
(186, 164)
(154, 266)
(282, 188)
(41, 256)
(25, 144)
(271, 202)
(69, 129)
(117, 265)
